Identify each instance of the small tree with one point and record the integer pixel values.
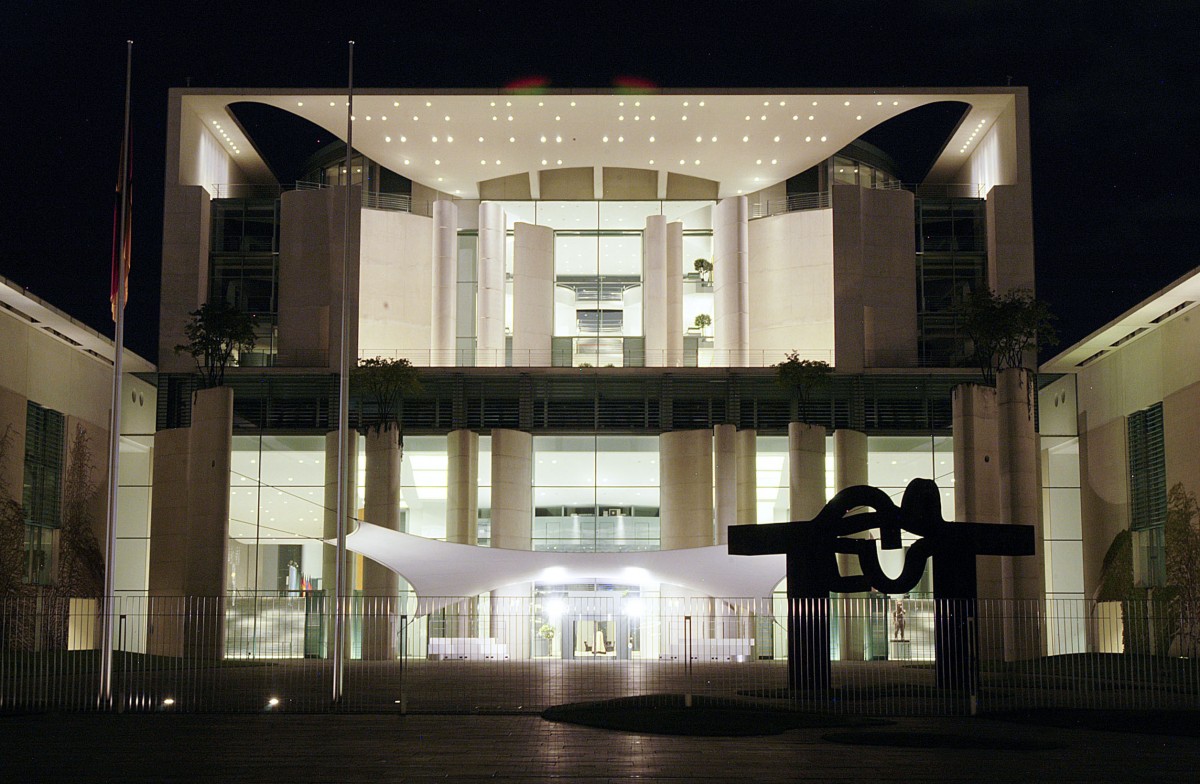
(81, 561)
(216, 332)
(1003, 327)
(705, 268)
(12, 526)
(384, 383)
(802, 376)
(1182, 545)
(702, 321)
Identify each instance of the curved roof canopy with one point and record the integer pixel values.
(744, 141)
(443, 569)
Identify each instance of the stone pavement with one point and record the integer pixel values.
(525, 748)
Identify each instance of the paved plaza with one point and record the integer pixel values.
(526, 748)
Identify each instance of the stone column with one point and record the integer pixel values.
(443, 331)
(746, 453)
(512, 489)
(674, 308)
(725, 489)
(654, 287)
(329, 551)
(685, 473)
(533, 294)
(189, 530)
(381, 506)
(731, 282)
(806, 470)
(489, 346)
(462, 487)
(1021, 503)
(849, 469)
(977, 500)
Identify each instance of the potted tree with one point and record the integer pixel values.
(705, 268)
(801, 377)
(217, 333)
(702, 322)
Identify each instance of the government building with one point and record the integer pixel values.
(595, 288)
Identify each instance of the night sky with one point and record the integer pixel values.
(1113, 106)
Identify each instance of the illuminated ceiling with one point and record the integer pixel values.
(744, 141)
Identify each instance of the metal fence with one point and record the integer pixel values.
(256, 653)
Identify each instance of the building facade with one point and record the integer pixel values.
(595, 288)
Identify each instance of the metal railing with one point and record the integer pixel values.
(575, 354)
(257, 653)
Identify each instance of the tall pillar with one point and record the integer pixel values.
(654, 287)
(806, 470)
(674, 357)
(443, 330)
(190, 530)
(849, 469)
(489, 346)
(512, 529)
(746, 450)
(381, 506)
(1021, 503)
(977, 500)
(329, 551)
(725, 490)
(462, 487)
(533, 295)
(685, 472)
(512, 489)
(731, 282)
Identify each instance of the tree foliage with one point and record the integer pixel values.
(81, 561)
(1002, 328)
(802, 377)
(216, 332)
(383, 384)
(12, 523)
(704, 267)
(1182, 543)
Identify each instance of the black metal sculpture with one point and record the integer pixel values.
(812, 572)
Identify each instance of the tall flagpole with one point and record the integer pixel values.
(343, 495)
(107, 599)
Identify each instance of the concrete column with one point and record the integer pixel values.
(512, 489)
(806, 470)
(462, 487)
(731, 282)
(1024, 578)
(489, 345)
(725, 489)
(190, 529)
(849, 469)
(685, 471)
(381, 506)
(977, 500)
(329, 551)
(445, 284)
(654, 288)
(533, 294)
(674, 299)
(747, 479)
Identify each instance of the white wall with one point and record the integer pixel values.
(791, 285)
(395, 285)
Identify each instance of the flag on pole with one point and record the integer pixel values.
(122, 234)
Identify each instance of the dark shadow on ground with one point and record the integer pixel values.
(668, 714)
(938, 740)
(1184, 723)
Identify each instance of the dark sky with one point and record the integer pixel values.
(1113, 92)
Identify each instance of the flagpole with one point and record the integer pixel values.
(343, 495)
(107, 599)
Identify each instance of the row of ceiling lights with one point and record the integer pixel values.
(971, 138)
(232, 144)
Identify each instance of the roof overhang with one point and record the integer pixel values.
(742, 140)
(1151, 313)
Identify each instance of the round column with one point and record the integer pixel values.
(443, 329)
(489, 346)
(685, 489)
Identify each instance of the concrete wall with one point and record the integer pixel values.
(875, 299)
(791, 285)
(630, 184)
(186, 241)
(395, 281)
(731, 282)
(512, 489)
(310, 275)
(533, 294)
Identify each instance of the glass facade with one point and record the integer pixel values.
(244, 266)
(951, 235)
